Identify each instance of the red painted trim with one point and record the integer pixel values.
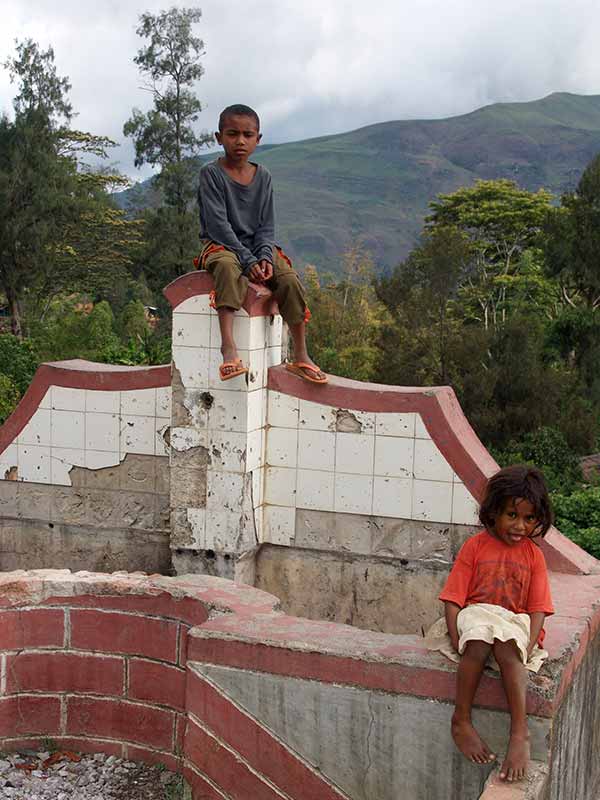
(79, 374)
(259, 300)
(256, 744)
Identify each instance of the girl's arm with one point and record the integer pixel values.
(452, 611)
(537, 623)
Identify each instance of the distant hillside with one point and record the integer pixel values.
(374, 184)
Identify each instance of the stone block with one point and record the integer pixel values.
(188, 488)
(162, 475)
(103, 508)
(194, 457)
(104, 478)
(8, 498)
(182, 535)
(69, 505)
(162, 512)
(137, 473)
(34, 501)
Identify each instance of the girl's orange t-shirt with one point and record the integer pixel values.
(488, 571)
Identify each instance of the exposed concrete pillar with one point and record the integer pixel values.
(218, 430)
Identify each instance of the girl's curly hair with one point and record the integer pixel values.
(518, 481)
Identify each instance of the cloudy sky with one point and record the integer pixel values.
(314, 67)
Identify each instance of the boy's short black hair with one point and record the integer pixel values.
(238, 110)
(514, 482)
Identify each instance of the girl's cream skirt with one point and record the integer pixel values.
(484, 622)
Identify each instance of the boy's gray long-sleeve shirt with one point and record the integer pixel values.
(239, 217)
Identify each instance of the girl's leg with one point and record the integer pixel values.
(470, 668)
(514, 680)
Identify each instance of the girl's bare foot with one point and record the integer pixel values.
(470, 743)
(515, 764)
(230, 357)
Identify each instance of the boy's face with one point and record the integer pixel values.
(239, 137)
(516, 522)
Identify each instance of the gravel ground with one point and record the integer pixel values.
(68, 776)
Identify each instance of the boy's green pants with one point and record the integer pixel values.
(231, 286)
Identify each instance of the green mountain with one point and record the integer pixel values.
(373, 185)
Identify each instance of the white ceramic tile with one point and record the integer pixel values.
(316, 450)
(258, 482)
(62, 461)
(353, 494)
(228, 451)
(256, 409)
(229, 411)
(139, 402)
(38, 429)
(392, 497)
(163, 402)
(161, 448)
(192, 364)
(102, 431)
(259, 516)
(215, 333)
(354, 453)
(315, 490)
(255, 450)
(102, 402)
(68, 429)
(137, 435)
(316, 417)
(432, 500)
(9, 458)
(68, 399)
(421, 431)
(191, 330)
(34, 464)
(274, 330)
(282, 447)
(465, 509)
(273, 355)
(46, 401)
(280, 486)
(198, 304)
(257, 376)
(394, 456)
(283, 410)
(225, 490)
(184, 438)
(222, 530)
(391, 423)
(279, 525)
(429, 463)
(98, 459)
(259, 333)
(197, 520)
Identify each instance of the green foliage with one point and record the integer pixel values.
(546, 448)
(9, 397)
(18, 361)
(578, 517)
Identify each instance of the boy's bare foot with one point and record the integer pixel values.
(470, 743)
(515, 764)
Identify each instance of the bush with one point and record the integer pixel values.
(9, 397)
(578, 517)
(18, 361)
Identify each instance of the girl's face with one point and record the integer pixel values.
(516, 522)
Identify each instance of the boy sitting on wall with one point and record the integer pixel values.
(237, 230)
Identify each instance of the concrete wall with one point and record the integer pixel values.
(84, 470)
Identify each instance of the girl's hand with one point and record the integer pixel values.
(266, 269)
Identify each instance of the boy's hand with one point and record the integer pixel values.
(261, 271)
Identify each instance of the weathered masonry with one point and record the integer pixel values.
(310, 528)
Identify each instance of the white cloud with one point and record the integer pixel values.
(322, 67)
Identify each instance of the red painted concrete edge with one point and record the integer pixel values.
(259, 300)
(79, 374)
(414, 680)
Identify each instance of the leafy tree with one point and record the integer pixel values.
(346, 318)
(502, 221)
(18, 361)
(572, 239)
(165, 136)
(578, 517)
(9, 397)
(59, 229)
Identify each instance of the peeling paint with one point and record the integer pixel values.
(346, 422)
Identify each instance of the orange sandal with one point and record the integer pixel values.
(238, 369)
(300, 368)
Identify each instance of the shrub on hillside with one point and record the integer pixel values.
(9, 397)
(18, 361)
(578, 517)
